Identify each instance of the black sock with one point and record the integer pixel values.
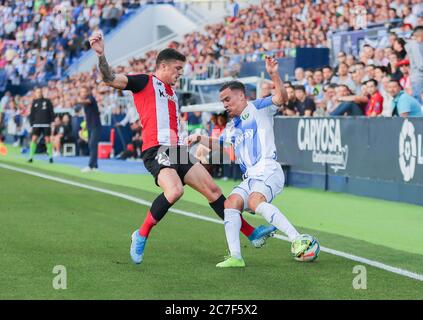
(219, 206)
(159, 207)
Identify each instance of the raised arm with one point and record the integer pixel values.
(118, 81)
(280, 96)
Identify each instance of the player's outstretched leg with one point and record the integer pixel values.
(275, 217)
(200, 180)
(173, 190)
(232, 228)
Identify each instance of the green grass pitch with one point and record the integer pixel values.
(45, 223)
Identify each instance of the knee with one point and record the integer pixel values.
(254, 200)
(174, 194)
(234, 203)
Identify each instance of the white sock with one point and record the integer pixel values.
(276, 218)
(232, 228)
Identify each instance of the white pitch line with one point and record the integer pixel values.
(345, 255)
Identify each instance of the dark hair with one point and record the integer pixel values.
(327, 67)
(169, 54)
(397, 82)
(233, 85)
(401, 41)
(345, 86)
(360, 64)
(382, 68)
(318, 70)
(300, 87)
(372, 80)
(418, 28)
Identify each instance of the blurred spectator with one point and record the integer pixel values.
(375, 105)
(393, 66)
(405, 82)
(380, 59)
(290, 107)
(404, 105)
(415, 53)
(345, 78)
(388, 107)
(347, 103)
(83, 139)
(305, 105)
(328, 76)
(399, 48)
(62, 133)
(300, 78)
(327, 105)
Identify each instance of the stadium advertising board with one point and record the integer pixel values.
(387, 149)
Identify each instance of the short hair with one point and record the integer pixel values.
(397, 82)
(300, 87)
(372, 80)
(327, 67)
(233, 85)
(168, 55)
(382, 68)
(318, 70)
(345, 86)
(417, 29)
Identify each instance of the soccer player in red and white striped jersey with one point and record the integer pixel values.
(164, 154)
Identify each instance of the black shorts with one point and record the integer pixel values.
(159, 157)
(46, 131)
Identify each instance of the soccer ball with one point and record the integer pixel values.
(310, 250)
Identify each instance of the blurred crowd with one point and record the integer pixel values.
(39, 39)
(373, 84)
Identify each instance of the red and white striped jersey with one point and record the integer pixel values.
(157, 106)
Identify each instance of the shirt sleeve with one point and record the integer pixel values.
(136, 83)
(403, 106)
(263, 102)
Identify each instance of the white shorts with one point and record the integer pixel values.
(270, 185)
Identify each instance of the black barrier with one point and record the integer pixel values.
(378, 157)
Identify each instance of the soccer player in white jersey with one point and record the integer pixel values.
(251, 133)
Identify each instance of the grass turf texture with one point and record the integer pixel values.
(45, 223)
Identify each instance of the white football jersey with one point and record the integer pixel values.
(253, 138)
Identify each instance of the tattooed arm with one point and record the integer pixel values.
(118, 81)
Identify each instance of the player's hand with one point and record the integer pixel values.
(272, 65)
(193, 138)
(97, 43)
